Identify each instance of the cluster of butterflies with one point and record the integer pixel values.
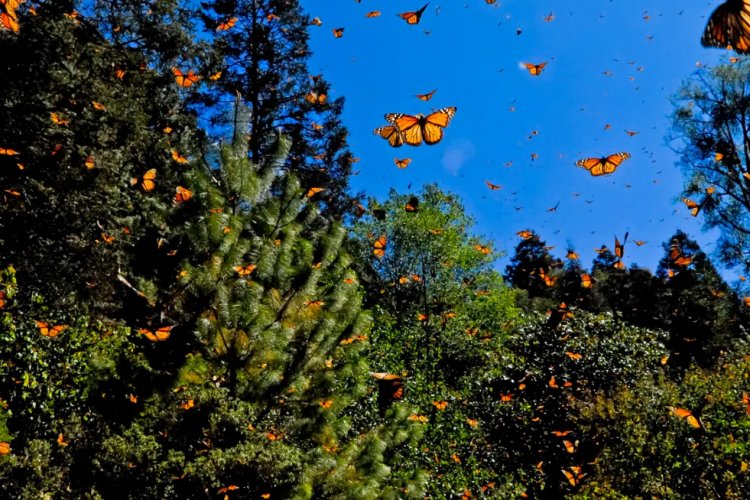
(411, 17)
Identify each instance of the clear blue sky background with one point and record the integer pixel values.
(470, 52)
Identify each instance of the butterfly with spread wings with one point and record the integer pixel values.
(729, 27)
(416, 129)
(413, 17)
(603, 166)
(392, 134)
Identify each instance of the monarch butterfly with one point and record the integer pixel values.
(603, 166)
(314, 303)
(315, 21)
(677, 258)
(313, 191)
(574, 475)
(4, 448)
(185, 80)
(746, 301)
(8, 152)
(620, 247)
(50, 331)
(392, 134)
(245, 270)
(182, 195)
(148, 182)
(560, 433)
(557, 316)
(572, 255)
(402, 163)
(525, 234)
(548, 280)
(586, 280)
(316, 98)
(691, 419)
(618, 265)
(493, 187)
(415, 16)
(8, 16)
(159, 335)
(391, 386)
(440, 405)
(58, 119)
(215, 76)
(482, 249)
(412, 205)
(639, 243)
(176, 156)
(535, 69)
(417, 128)
(427, 96)
(506, 398)
(378, 247)
(226, 25)
(569, 446)
(120, 72)
(373, 13)
(338, 32)
(729, 27)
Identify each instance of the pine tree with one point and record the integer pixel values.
(266, 353)
(87, 119)
(265, 53)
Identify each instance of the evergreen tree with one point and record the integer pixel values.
(264, 367)
(529, 266)
(88, 121)
(264, 45)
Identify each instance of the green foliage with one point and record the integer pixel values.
(710, 123)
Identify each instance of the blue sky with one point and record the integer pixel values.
(613, 62)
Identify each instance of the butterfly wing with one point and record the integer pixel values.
(149, 180)
(433, 124)
(729, 27)
(408, 126)
(392, 134)
(595, 166)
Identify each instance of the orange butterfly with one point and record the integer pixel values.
(245, 270)
(427, 96)
(8, 16)
(440, 405)
(315, 21)
(691, 419)
(185, 80)
(574, 475)
(378, 247)
(729, 27)
(316, 98)
(313, 191)
(493, 187)
(548, 280)
(620, 247)
(603, 166)
(182, 195)
(50, 331)
(392, 134)
(391, 385)
(338, 32)
(178, 157)
(572, 255)
(374, 13)
(586, 280)
(58, 119)
(159, 335)
(226, 25)
(402, 163)
(8, 152)
(677, 258)
(412, 205)
(535, 69)
(482, 249)
(639, 243)
(415, 16)
(417, 128)
(525, 234)
(148, 182)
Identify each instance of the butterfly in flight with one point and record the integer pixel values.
(427, 96)
(535, 69)
(603, 166)
(185, 80)
(416, 129)
(729, 27)
(392, 134)
(413, 17)
(338, 32)
(378, 247)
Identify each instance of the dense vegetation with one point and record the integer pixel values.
(190, 318)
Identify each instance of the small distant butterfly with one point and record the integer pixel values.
(535, 69)
(525, 234)
(178, 157)
(226, 25)
(148, 181)
(313, 191)
(391, 386)
(440, 405)
(691, 419)
(8, 152)
(50, 331)
(402, 163)
(412, 205)
(493, 187)
(182, 195)
(338, 32)
(427, 96)
(374, 13)
(415, 16)
(603, 166)
(586, 280)
(316, 98)
(185, 80)
(159, 335)
(378, 247)
(245, 270)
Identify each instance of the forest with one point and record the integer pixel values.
(195, 304)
